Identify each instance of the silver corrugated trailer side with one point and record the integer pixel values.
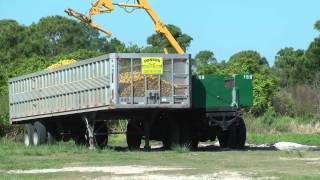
(102, 83)
(77, 100)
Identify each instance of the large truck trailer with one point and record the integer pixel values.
(155, 93)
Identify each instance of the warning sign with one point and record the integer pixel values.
(152, 65)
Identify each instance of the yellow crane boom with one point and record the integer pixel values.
(106, 6)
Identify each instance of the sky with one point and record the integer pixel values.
(222, 26)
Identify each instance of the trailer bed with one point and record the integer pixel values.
(112, 81)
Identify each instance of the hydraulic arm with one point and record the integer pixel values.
(106, 6)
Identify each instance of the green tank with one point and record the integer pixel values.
(222, 91)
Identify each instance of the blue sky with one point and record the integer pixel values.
(222, 26)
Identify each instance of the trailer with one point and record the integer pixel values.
(217, 104)
(155, 93)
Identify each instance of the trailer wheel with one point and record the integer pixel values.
(80, 140)
(223, 139)
(194, 144)
(101, 134)
(185, 137)
(237, 135)
(241, 134)
(39, 133)
(28, 135)
(51, 138)
(173, 135)
(133, 135)
(234, 137)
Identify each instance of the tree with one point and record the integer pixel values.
(11, 36)
(289, 66)
(133, 48)
(205, 57)
(114, 46)
(54, 35)
(204, 62)
(317, 25)
(264, 83)
(157, 41)
(247, 62)
(264, 89)
(312, 62)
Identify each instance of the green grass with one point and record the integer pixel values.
(181, 149)
(308, 139)
(15, 156)
(271, 123)
(252, 163)
(118, 139)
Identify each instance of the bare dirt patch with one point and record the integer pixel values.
(116, 170)
(141, 173)
(300, 159)
(226, 175)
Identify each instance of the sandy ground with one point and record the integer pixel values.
(300, 159)
(136, 173)
(171, 173)
(221, 175)
(116, 170)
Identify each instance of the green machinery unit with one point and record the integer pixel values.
(219, 91)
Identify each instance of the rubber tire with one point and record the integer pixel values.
(194, 144)
(173, 135)
(133, 136)
(80, 140)
(185, 135)
(28, 135)
(39, 130)
(234, 137)
(101, 141)
(232, 142)
(241, 134)
(223, 139)
(51, 138)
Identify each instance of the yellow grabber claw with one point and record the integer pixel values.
(87, 20)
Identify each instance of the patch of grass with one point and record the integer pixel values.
(181, 149)
(271, 123)
(308, 139)
(284, 176)
(262, 163)
(117, 139)
(15, 148)
(281, 124)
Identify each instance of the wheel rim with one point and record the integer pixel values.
(26, 139)
(35, 138)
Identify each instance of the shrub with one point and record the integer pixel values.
(268, 117)
(284, 104)
(306, 99)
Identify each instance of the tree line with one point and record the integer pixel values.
(290, 87)
(283, 87)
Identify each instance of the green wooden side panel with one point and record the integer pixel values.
(217, 91)
(209, 92)
(245, 90)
